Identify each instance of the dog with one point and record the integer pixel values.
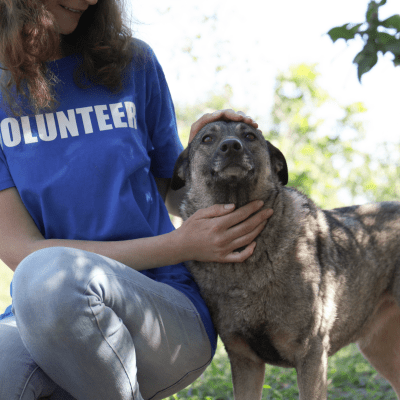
(317, 281)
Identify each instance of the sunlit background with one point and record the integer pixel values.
(204, 45)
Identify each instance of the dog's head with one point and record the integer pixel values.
(229, 162)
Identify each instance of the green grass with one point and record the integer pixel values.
(349, 375)
(5, 280)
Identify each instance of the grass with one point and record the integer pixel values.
(5, 280)
(350, 376)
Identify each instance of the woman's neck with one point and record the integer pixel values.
(64, 50)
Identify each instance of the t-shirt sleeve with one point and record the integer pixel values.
(5, 178)
(161, 124)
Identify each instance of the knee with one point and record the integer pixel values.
(42, 270)
(43, 279)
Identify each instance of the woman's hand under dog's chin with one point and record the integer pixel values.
(221, 115)
(213, 234)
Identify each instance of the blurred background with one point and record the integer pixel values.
(275, 61)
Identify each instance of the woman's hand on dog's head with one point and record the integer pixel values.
(221, 115)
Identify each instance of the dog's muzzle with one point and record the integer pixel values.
(230, 160)
(230, 147)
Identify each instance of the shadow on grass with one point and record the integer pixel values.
(350, 376)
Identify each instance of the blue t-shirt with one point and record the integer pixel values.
(86, 171)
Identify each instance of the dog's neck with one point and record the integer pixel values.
(232, 194)
(238, 194)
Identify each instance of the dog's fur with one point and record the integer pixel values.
(317, 280)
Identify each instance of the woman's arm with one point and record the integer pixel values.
(211, 234)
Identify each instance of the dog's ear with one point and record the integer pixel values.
(278, 162)
(178, 178)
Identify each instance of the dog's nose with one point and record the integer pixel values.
(231, 145)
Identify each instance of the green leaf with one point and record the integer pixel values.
(358, 58)
(266, 387)
(394, 47)
(336, 33)
(372, 12)
(383, 40)
(365, 61)
(346, 32)
(392, 22)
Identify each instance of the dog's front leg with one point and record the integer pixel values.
(248, 370)
(247, 377)
(312, 372)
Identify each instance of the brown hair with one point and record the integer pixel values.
(29, 38)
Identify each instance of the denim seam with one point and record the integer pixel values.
(26, 383)
(112, 348)
(183, 377)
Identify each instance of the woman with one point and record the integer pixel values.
(103, 307)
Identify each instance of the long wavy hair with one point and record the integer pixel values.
(29, 38)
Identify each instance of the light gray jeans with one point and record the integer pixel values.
(89, 328)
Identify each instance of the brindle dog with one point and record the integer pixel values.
(317, 280)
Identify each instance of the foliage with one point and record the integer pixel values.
(378, 36)
(377, 178)
(313, 146)
(5, 280)
(324, 155)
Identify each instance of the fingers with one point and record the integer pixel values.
(237, 228)
(216, 232)
(221, 115)
(247, 238)
(236, 256)
(242, 240)
(244, 212)
(234, 218)
(217, 210)
(248, 226)
(231, 115)
(236, 224)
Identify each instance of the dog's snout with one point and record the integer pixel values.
(231, 145)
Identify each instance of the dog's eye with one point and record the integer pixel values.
(250, 136)
(207, 139)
